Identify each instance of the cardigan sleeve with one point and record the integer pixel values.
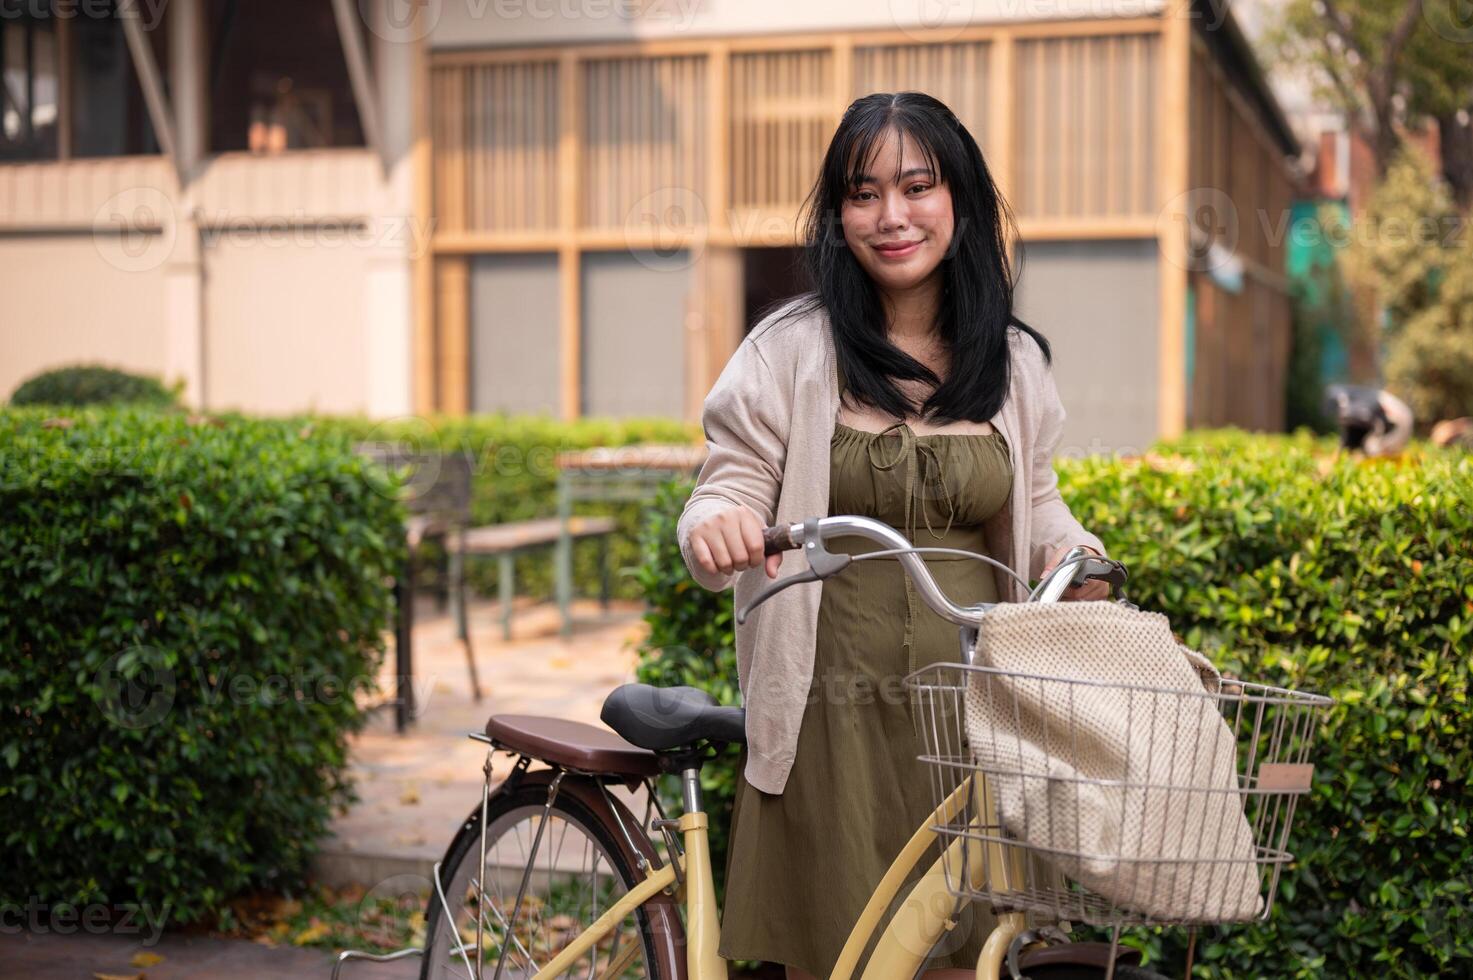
(746, 439)
(1053, 525)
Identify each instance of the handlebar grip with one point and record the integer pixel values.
(778, 539)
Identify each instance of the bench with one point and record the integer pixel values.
(505, 541)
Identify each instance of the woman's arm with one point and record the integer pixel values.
(746, 439)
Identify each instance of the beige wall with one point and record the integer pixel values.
(265, 283)
(481, 23)
(296, 300)
(284, 317)
(65, 303)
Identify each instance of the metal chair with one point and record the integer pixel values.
(437, 494)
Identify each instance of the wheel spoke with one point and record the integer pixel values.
(579, 881)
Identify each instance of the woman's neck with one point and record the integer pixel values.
(910, 314)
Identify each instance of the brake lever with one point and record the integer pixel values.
(822, 563)
(1105, 570)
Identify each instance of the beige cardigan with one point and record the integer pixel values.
(768, 422)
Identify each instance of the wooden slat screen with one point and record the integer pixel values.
(644, 137)
(1231, 152)
(1087, 126)
(495, 131)
(782, 115)
(955, 73)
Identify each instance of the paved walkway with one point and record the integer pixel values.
(82, 957)
(416, 788)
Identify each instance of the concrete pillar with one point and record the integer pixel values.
(389, 328)
(184, 274)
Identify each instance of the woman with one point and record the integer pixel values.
(902, 388)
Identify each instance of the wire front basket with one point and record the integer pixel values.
(1113, 804)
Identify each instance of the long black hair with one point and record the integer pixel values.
(976, 308)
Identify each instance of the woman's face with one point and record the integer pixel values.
(898, 220)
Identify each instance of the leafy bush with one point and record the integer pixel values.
(1297, 567)
(91, 384)
(690, 641)
(187, 611)
(514, 477)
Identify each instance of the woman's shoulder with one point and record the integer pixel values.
(796, 326)
(1029, 363)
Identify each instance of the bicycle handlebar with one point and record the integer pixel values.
(810, 535)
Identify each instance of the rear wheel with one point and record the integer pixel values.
(578, 872)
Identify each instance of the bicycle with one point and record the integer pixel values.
(609, 905)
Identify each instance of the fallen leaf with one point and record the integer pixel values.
(117, 976)
(316, 931)
(410, 796)
(145, 959)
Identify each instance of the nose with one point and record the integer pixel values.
(894, 211)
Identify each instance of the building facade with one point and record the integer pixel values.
(578, 208)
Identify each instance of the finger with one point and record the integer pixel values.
(751, 530)
(702, 555)
(736, 547)
(719, 554)
(774, 562)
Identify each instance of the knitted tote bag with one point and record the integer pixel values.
(1109, 754)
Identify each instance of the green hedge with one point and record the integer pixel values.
(93, 384)
(514, 477)
(187, 611)
(1298, 567)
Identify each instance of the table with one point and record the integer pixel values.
(611, 474)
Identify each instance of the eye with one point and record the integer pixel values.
(921, 186)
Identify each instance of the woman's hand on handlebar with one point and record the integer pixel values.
(731, 541)
(1093, 589)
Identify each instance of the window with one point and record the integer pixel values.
(278, 78)
(31, 91)
(108, 114)
(67, 84)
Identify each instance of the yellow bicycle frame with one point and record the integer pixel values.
(910, 935)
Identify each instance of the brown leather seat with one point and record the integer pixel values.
(571, 744)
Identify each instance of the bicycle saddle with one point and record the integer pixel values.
(659, 718)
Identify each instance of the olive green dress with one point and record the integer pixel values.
(801, 865)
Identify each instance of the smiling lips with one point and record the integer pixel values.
(897, 250)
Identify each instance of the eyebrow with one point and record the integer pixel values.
(913, 171)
